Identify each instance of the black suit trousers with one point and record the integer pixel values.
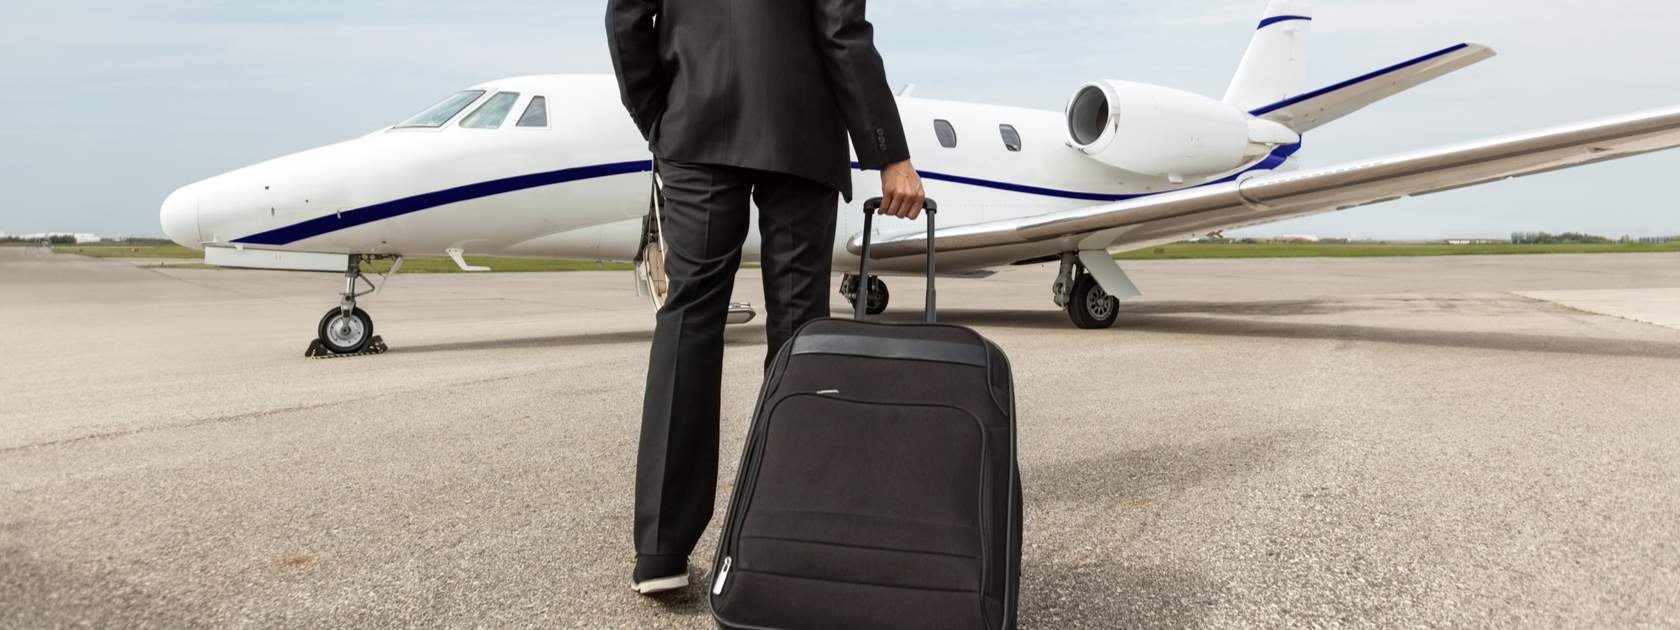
(704, 221)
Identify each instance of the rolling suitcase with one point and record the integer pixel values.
(878, 488)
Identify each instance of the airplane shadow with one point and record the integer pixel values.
(1050, 318)
(1185, 319)
(734, 336)
(1231, 319)
(1480, 340)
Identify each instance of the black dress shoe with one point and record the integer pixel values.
(657, 574)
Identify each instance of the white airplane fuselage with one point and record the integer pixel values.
(586, 183)
(553, 167)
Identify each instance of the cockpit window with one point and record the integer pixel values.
(536, 114)
(438, 115)
(491, 114)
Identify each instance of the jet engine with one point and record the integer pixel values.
(1158, 131)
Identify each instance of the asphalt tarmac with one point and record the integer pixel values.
(1259, 443)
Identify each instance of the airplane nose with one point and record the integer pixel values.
(180, 218)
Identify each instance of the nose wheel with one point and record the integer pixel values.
(347, 330)
(345, 334)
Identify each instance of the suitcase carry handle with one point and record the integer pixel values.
(871, 207)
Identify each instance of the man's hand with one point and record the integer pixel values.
(901, 191)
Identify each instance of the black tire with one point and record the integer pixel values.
(1091, 307)
(345, 341)
(878, 297)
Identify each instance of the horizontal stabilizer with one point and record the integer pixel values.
(1318, 107)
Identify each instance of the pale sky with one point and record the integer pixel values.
(114, 104)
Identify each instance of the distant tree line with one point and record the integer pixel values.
(1566, 238)
(62, 239)
(66, 239)
(143, 241)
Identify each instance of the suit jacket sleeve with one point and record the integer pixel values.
(633, 40)
(859, 81)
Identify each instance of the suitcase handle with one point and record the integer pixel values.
(870, 208)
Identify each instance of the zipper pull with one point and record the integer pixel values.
(723, 576)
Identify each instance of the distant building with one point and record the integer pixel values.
(1658, 240)
(1297, 238)
(1476, 241)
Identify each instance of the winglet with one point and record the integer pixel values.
(1319, 107)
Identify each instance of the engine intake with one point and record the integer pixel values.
(1152, 130)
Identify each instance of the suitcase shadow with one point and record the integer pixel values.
(1096, 579)
(1115, 595)
(1127, 480)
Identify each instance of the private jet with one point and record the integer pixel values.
(552, 166)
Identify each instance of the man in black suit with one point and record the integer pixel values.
(740, 100)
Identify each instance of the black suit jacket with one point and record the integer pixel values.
(772, 85)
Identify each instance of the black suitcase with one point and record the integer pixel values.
(878, 488)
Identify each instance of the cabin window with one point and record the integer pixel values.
(1011, 138)
(441, 113)
(536, 114)
(491, 114)
(947, 134)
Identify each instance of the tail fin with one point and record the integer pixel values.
(1274, 68)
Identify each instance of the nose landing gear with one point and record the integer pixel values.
(347, 330)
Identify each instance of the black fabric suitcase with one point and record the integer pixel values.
(878, 488)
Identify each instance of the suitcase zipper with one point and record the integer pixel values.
(725, 544)
(723, 575)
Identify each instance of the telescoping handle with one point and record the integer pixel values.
(869, 209)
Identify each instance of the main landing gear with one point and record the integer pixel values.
(1087, 304)
(878, 296)
(346, 329)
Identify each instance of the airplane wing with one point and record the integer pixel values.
(1264, 198)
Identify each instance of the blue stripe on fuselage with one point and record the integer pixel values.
(379, 212)
(390, 209)
(1283, 18)
(1276, 159)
